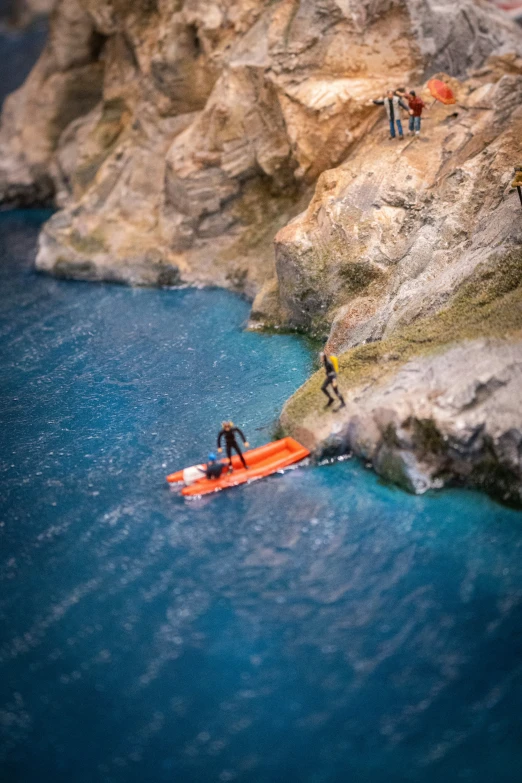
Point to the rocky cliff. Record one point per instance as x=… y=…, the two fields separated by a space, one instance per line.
x=178 y=137
x=409 y=261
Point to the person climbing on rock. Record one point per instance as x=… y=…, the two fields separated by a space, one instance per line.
x=392 y=103
x=416 y=105
x=228 y=432
x=214 y=467
x=330 y=380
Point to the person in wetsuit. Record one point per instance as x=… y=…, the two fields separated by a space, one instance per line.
x=214 y=467
x=330 y=380
x=229 y=434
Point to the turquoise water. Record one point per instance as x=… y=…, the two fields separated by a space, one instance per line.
x=316 y=627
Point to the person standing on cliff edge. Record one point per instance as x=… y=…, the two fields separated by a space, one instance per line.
x=416 y=106
x=392 y=103
x=330 y=380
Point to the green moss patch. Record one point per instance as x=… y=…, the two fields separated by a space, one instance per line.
x=89 y=244
x=356 y=277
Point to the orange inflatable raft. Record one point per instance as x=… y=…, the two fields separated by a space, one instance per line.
x=261 y=462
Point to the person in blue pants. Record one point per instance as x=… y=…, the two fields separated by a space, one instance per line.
x=416 y=106
x=392 y=103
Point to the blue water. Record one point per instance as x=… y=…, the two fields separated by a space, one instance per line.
x=18 y=51
x=317 y=626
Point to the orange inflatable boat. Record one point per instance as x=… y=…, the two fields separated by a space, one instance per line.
x=261 y=462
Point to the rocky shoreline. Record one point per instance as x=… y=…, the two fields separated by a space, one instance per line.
x=179 y=138
x=449 y=419
x=432 y=405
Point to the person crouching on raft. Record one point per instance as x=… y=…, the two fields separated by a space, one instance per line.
x=330 y=380
x=229 y=434
x=214 y=467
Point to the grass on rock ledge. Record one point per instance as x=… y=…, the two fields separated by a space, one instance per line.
x=487 y=304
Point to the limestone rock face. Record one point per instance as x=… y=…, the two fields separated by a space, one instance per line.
x=178 y=136
x=391 y=232
x=452 y=417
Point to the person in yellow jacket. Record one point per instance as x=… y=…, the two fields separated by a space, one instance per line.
x=330 y=380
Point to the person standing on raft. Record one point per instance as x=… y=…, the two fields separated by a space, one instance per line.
x=229 y=434
x=330 y=380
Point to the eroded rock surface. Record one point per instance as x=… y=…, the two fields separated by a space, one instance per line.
x=391 y=232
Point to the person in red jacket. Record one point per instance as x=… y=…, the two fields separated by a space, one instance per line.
x=416 y=105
